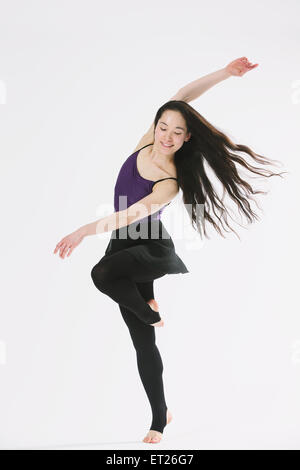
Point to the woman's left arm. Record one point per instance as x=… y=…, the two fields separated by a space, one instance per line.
x=161 y=195
x=237 y=67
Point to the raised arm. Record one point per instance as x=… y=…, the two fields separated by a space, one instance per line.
x=193 y=90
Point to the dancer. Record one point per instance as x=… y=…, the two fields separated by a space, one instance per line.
x=169 y=157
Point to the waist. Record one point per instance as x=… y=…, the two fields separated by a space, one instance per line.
x=149 y=229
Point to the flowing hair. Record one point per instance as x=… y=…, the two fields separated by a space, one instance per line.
x=210 y=145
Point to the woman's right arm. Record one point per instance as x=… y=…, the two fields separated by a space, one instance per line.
x=196 y=88
x=193 y=90
x=237 y=67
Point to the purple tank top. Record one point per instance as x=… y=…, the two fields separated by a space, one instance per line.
x=131 y=184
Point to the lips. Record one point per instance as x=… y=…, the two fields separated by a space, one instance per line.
x=167 y=146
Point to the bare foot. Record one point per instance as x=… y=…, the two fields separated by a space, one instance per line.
x=154 y=437
x=154 y=305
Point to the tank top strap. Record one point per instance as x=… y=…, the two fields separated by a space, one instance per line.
x=144 y=147
x=170 y=178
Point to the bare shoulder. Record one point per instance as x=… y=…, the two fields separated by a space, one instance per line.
x=163 y=192
x=170 y=171
x=166 y=187
x=147 y=139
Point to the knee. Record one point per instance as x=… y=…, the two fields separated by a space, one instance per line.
x=93 y=273
x=98 y=276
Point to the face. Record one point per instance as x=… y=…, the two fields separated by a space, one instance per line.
x=171 y=131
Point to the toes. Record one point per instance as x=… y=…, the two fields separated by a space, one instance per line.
x=152 y=439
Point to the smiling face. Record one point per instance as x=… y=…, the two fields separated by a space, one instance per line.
x=171 y=131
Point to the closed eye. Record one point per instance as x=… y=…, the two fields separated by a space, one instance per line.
x=177 y=133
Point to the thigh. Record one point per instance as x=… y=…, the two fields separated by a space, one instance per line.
x=124 y=264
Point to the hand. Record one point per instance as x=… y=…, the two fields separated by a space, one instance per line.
x=69 y=243
x=239 y=67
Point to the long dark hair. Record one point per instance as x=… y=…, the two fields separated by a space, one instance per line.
x=207 y=143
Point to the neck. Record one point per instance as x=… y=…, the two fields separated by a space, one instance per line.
x=159 y=156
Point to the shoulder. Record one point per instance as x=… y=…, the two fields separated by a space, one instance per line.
x=161 y=195
x=166 y=186
x=147 y=139
x=170 y=172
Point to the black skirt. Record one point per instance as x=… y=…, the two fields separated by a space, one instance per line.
x=150 y=243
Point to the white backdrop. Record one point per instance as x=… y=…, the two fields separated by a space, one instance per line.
x=81 y=82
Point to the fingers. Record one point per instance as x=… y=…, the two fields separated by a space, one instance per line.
x=244 y=66
x=64 y=251
x=240 y=66
x=71 y=249
x=63 y=247
x=59 y=245
x=67 y=244
x=248 y=64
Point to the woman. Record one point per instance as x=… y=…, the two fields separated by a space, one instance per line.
x=170 y=156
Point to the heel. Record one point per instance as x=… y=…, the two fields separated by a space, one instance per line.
x=153 y=316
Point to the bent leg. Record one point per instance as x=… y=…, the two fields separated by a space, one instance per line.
x=146 y=289
x=149 y=361
x=117 y=275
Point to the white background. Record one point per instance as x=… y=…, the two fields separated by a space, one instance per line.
x=81 y=82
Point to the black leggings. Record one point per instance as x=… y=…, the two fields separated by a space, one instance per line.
x=123 y=278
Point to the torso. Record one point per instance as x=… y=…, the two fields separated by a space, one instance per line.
x=148 y=170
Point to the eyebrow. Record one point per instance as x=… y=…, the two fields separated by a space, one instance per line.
x=176 y=127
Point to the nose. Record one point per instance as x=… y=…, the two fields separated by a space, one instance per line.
x=168 y=139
